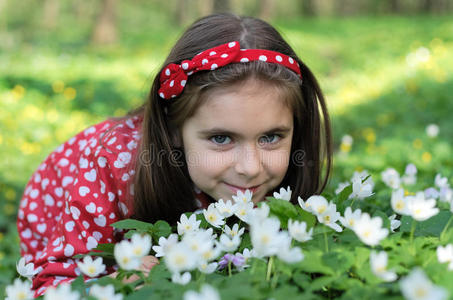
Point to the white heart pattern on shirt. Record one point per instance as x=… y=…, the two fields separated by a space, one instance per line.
x=100 y=221
x=91 y=243
x=91 y=208
x=68 y=250
x=83 y=190
x=69 y=225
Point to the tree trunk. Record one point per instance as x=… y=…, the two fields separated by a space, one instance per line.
x=221 y=6
x=266 y=9
x=105 y=28
x=51 y=10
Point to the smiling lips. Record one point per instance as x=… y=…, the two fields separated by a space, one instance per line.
x=234 y=188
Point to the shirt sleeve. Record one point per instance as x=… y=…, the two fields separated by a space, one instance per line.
x=94 y=198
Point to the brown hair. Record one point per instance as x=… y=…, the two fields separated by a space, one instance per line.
x=162 y=186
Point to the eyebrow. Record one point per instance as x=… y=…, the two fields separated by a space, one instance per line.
x=223 y=131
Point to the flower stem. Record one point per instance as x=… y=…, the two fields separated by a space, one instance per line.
x=269 y=268
x=445 y=228
x=229 y=269
x=414 y=224
x=326 y=243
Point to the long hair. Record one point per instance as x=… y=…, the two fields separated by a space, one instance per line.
x=162 y=185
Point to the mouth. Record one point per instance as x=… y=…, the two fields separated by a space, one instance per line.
x=235 y=188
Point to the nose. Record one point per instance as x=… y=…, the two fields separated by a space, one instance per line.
x=248 y=162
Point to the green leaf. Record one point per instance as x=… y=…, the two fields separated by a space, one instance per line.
x=433 y=226
x=339 y=261
x=107 y=247
x=344 y=194
x=132 y=224
x=161 y=228
x=283 y=210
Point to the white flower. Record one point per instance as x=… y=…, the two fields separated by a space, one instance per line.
x=446 y=195
x=141 y=244
x=391 y=178
x=105 y=292
x=243 y=197
x=225 y=208
x=287 y=254
x=304 y=204
x=362 y=175
x=411 y=170
x=91 y=268
x=207 y=292
x=417 y=286
x=394 y=224
x=199 y=242
x=350 y=217
x=63 y=291
x=421 y=209
x=445 y=254
x=316 y=204
x=125 y=257
x=266 y=237
x=213 y=216
x=210 y=254
x=19 y=290
x=284 y=194
x=181 y=279
x=298 y=231
x=440 y=181
x=229 y=244
x=180 y=258
x=432 y=130
x=341 y=187
x=347 y=140
x=26 y=270
x=243 y=211
x=431 y=193
x=258 y=214
x=330 y=216
x=378 y=262
x=165 y=244
x=361 y=190
x=187 y=224
x=369 y=230
x=234 y=231
x=207 y=268
x=399 y=202
x=409 y=177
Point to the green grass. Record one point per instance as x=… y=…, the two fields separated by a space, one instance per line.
x=53 y=85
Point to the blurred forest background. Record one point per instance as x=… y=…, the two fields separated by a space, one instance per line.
x=385 y=67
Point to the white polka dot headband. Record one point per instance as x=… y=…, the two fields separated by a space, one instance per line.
x=174 y=77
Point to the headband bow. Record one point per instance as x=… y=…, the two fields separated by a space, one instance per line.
x=174 y=76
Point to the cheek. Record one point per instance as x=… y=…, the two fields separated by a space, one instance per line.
x=276 y=162
x=207 y=163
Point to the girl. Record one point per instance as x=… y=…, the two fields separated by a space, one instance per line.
x=233 y=108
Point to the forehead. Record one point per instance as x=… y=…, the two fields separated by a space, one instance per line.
x=251 y=107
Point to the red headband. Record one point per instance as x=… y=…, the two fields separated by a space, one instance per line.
x=174 y=77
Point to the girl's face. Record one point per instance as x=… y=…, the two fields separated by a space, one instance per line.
x=239 y=138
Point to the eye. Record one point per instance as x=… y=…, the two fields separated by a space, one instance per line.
x=271 y=139
x=219 y=139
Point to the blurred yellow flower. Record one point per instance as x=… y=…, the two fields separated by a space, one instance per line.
x=31 y=112
x=9 y=209
x=369 y=135
x=10 y=194
x=52 y=115
x=18 y=92
x=411 y=86
x=426 y=157
x=417 y=143
x=30 y=148
x=407 y=193
x=1 y=139
x=58 y=86
x=345 y=147
x=70 y=93
x=119 y=112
